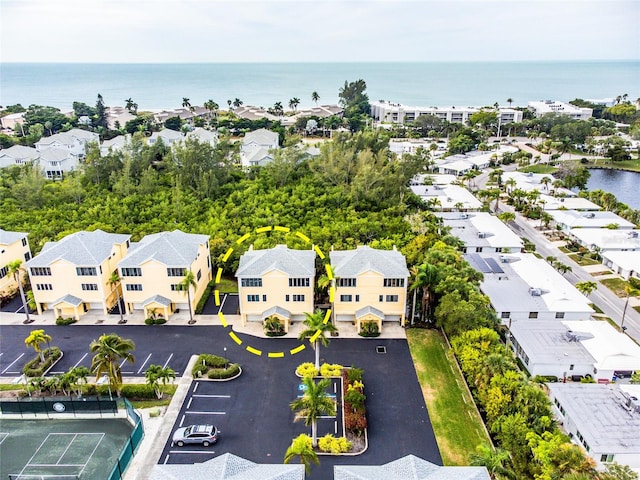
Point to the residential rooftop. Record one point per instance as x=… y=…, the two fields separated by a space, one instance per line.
x=289 y=261
x=526 y=283
x=601 y=414
x=173 y=249
x=7 y=237
x=351 y=263
x=606 y=239
x=600 y=219
x=481 y=229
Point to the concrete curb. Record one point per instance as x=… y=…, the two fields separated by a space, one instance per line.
x=151 y=447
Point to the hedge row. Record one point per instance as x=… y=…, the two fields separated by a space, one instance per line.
x=34 y=368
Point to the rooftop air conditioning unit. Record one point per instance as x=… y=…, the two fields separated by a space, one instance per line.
x=464 y=215
x=590 y=215
x=535 y=292
x=633 y=234
x=482 y=235
x=504 y=259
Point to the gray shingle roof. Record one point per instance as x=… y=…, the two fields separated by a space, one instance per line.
x=228 y=467
x=351 y=263
x=276 y=310
x=369 y=310
x=174 y=249
x=409 y=468
x=159 y=299
x=80 y=248
x=255 y=263
x=7 y=238
x=70 y=299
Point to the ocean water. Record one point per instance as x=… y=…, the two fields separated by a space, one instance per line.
x=156 y=86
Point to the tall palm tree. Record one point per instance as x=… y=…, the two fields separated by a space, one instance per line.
x=315 y=322
x=212 y=107
x=109 y=351
x=509 y=101
x=35 y=340
x=302 y=446
x=237 y=103
x=187 y=282
x=629 y=290
x=157 y=374
x=313 y=404
x=293 y=103
x=315 y=97
x=426 y=278
x=186 y=103
x=586 y=288
x=113 y=282
x=15 y=270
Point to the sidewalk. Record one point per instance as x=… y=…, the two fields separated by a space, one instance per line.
x=346 y=329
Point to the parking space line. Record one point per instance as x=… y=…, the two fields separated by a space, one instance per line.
x=145 y=362
x=12 y=363
x=79 y=361
x=182 y=421
x=168 y=360
x=202 y=395
x=196 y=387
x=166 y=459
x=189 y=404
x=193 y=451
x=207 y=413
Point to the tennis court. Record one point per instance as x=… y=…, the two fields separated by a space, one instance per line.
x=52 y=449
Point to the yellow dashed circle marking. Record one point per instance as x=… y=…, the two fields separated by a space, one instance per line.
x=216 y=293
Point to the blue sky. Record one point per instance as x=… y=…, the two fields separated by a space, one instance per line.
x=319 y=30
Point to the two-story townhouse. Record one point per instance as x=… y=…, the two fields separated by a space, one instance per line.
x=13 y=246
x=257 y=146
x=18 y=155
x=370 y=286
x=74 y=141
x=276 y=282
x=72 y=276
x=168 y=137
x=152 y=272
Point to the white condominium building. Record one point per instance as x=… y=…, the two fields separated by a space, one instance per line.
x=560 y=108
x=389 y=112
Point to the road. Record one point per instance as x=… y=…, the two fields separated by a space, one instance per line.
x=605 y=299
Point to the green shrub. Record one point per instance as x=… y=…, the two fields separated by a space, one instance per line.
x=329 y=443
x=214 y=361
x=273 y=327
x=155 y=321
x=138 y=392
x=307 y=369
x=34 y=368
x=198 y=370
x=545 y=379
x=65 y=321
x=331 y=370
x=355 y=397
x=369 y=329
x=354 y=374
x=218 y=373
x=205 y=296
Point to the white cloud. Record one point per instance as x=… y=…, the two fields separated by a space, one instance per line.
x=329 y=30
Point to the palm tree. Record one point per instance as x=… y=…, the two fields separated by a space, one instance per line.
x=629 y=290
x=496 y=460
x=510 y=184
x=35 y=340
x=509 y=101
x=212 y=107
x=157 y=374
x=562 y=268
x=302 y=446
x=186 y=103
x=130 y=105
x=507 y=217
x=229 y=102
x=48 y=125
x=109 y=352
x=15 y=269
x=546 y=181
x=237 y=102
x=293 y=103
x=586 y=288
x=187 y=282
x=315 y=97
x=426 y=277
x=313 y=404
x=315 y=322
x=80 y=375
x=113 y=282
x=278 y=109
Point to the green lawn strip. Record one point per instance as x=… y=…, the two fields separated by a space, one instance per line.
x=583 y=260
x=596 y=308
x=227 y=285
x=637 y=309
x=8 y=386
x=565 y=250
x=539 y=168
x=456 y=423
x=616 y=285
x=632 y=165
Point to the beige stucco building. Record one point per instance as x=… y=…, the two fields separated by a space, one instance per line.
x=13 y=246
x=370 y=286
x=277 y=282
x=71 y=276
x=153 y=269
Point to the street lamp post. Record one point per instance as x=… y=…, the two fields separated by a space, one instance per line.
x=23 y=380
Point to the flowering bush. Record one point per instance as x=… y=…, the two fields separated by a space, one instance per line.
x=329 y=443
x=330 y=370
x=307 y=369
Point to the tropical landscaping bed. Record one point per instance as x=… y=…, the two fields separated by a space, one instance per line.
x=215 y=367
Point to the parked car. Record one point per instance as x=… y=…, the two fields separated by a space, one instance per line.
x=196 y=434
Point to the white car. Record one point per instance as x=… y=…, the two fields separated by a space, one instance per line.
x=204 y=435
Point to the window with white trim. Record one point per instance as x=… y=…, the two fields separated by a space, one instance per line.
x=131 y=272
x=134 y=287
x=391 y=298
x=251 y=282
x=346 y=298
x=253 y=298
x=347 y=282
x=89 y=286
x=176 y=272
x=44 y=286
x=394 y=282
x=86 y=271
x=41 y=271
x=298 y=298
x=299 y=282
